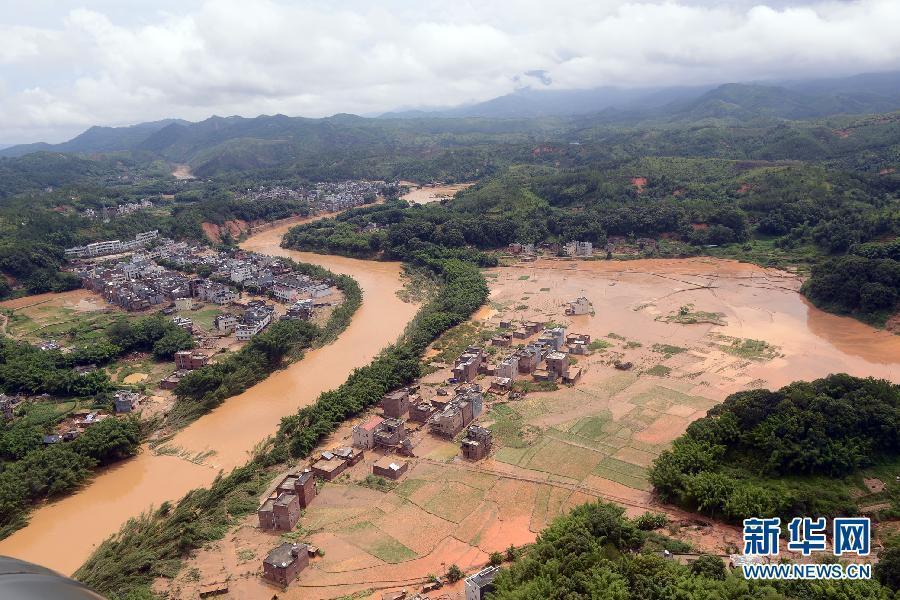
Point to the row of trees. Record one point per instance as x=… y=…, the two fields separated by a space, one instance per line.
x=782 y=453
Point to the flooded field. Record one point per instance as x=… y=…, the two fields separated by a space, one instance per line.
x=230 y=432
x=426 y=193
x=694 y=332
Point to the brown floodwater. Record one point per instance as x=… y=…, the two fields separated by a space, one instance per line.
x=633 y=297
x=62 y=534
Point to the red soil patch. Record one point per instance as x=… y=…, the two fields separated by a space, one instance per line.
x=639 y=183
x=235 y=228
x=745 y=187
x=887 y=171
x=699 y=226
x=842 y=133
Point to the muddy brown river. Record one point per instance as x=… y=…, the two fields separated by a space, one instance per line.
x=62 y=534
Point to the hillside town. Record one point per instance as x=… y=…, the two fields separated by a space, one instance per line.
x=330 y=196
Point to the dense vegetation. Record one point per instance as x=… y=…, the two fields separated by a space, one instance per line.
x=783 y=453
x=153 y=545
x=203 y=389
x=594 y=552
x=30 y=471
x=26 y=369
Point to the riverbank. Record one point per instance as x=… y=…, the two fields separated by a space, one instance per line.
x=230 y=432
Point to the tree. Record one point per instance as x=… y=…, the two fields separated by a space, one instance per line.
x=496 y=559
x=709 y=566
x=454 y=573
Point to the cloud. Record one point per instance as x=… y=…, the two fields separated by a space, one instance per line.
x=65 y=71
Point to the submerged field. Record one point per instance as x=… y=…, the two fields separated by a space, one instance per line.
x=694 y=330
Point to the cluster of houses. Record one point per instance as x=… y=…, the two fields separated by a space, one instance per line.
x=545 y=359
x=74 y=425
x=528 y=251
x=119 y=211
x=444 y=415
x=323 y=196
x=108 y=247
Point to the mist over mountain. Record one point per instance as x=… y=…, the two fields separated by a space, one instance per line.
x=220 y=144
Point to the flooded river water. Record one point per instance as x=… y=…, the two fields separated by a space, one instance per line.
x=62 y=534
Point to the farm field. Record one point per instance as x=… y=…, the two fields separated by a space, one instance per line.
x=567 y=445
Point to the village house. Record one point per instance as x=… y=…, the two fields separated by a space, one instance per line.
x=301 y=310
x=217 y=293
x=578 y=249
x=420 y=411
x=479 y=585
x=396 y=404
x=500 y=385
x=184 y=323
x=256 y=317
x=184 y=303
x=390 y=467
x=469 y=364
x=189 y=360
x=579 y=306
x=578 y=343
x=529 y=358
x=477 y=443
x=170 y=382
x=390 y=433
x=329 y=466
x=557 y=364
x=364 y=434
x=349 y=455
x=126 y=401
x=225 y=323
x=450 y=419
x=503 y=340
x=281 y=513
x=302 y=485
x=284 y=563
x=555 y=337
x=507 y=368
x=6 y=407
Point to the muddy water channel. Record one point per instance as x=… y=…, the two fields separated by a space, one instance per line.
x=62 y=534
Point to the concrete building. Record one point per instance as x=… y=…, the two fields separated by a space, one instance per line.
x=396 y=404
x=477 y=443
x=284 y=563
x=390 y=467
x=390 y=433
x=578 y=343
x=302 y=485
x=329 y=468
x=508 y=367
x=469 y=364
x=349 y=455
x=280 y=513
x=225 y=323
x=555 y=337
x=190 y=360
x=478 y=586
x=578 y=249
x=558 y=363
x=420 y=411
x=126 y=401
x=579 y=306
x=364 y=434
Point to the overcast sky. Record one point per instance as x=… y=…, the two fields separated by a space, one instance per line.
x=66 y=65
